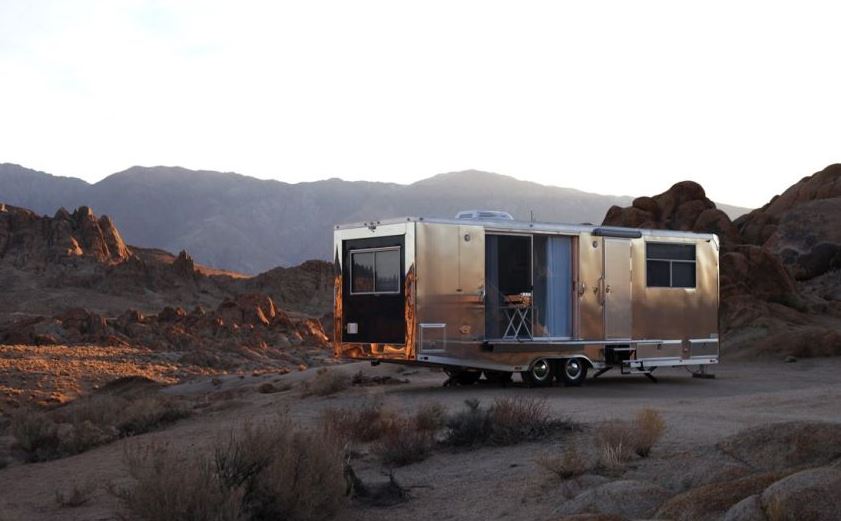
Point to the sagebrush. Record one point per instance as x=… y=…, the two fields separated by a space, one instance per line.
x=259 y=472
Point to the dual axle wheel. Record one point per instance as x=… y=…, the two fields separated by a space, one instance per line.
x=570 y=371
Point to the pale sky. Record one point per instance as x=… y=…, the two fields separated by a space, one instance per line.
x=611 y=97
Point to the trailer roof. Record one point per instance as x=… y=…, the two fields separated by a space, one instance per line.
x=528 y=226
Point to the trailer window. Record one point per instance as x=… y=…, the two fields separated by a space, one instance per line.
x=375 y=271
x=670 y=265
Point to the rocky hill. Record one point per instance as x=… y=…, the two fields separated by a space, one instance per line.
x=71 y=280
x=250 y=225
x=779 y=265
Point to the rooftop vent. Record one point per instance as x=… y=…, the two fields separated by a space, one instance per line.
x=484 y=215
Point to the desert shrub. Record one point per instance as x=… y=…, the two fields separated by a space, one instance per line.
x=168 y=487
x=84 y=435
x=304 y=482
x=147 y=414
x=89 y=422
x=469 y=426
x=104 y=409
x=363 y=424
x=262 y=472
x=326 y=382
x=78 y=495
x=570 y=463
x=431 y=417
x=505 y=422
x=404 y=443
x=649 y=428
x=36 y=434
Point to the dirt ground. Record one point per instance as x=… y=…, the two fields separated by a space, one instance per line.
x=485 y=483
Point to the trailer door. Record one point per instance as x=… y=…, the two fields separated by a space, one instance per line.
x=616 y=290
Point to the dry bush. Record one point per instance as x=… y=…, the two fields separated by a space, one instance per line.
x=404 y=443
x=89 y=422
x=304 y=482
x=168 y=487
x=269 y=387
x=267 y=471
x=36 y=434
x=78 y=495
x=650 y=426
x=518 y=419
x=431 y=417
x=616 y=441
x=570 y=463
x=363 y=424
x=326 y=382
x=147 y=414
x=505 y=422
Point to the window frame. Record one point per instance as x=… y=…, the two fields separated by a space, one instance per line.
x=671 y=262
x=374 y=273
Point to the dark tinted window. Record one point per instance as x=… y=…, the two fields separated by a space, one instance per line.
x=375 y=271
x=658 y=274
x=362 y=272
x=388 y=271
x=670 y=265
x=683 y=275
x=655 y=250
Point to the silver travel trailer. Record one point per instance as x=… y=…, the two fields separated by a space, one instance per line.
x=550 y=301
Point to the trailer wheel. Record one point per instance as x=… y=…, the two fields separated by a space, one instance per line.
x=539 y=374
x=573 y=371
x=463 y=376
x=498 y=377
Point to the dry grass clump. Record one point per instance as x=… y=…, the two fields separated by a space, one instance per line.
x=505 y=422
x=90 y=422
x=619 y=440
x=650 y=426
x=326 y=382
x=570 y=463
x=404 y=442
x=268 y=471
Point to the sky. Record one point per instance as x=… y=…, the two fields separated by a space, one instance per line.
x=609 y=97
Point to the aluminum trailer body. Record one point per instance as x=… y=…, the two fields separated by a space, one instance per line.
x=507 y=296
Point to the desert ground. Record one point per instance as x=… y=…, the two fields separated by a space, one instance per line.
x=703 y=418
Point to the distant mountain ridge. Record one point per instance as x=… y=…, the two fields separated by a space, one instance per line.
x=236 y=222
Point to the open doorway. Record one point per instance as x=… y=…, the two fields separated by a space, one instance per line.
x=528 y=283
x=508 y=285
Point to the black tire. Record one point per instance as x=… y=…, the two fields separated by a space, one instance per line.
x=463 y=376
x=540 y=373
x=573 y=371
x=498 y=377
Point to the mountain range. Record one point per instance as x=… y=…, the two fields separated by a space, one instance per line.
x=231 y=221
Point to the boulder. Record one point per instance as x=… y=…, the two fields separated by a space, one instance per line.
x=625 y=498
x=748 y=509
x=684 y=206
x=785 y=445
x=811 y=494
x=251 y=309
x=710 y=502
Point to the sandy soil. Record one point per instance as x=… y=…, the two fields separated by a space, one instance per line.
x=487 y=483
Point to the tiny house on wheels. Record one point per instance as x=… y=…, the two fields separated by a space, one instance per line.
x=486 y=294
